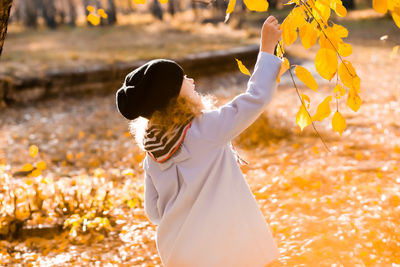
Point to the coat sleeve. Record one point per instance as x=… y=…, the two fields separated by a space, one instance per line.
x=228 y=121
x=150 y=199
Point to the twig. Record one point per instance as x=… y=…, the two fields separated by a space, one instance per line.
x=298 y=93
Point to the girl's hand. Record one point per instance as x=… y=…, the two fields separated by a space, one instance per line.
x=270 y=35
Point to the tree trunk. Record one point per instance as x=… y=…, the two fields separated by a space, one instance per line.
x=49 y=13
x=156 y=10
x=29 y=13
x=171 y=7
x=72 y=13
x=5 y=8
x=220 y=8
x=273 y=3
x=111 y=12
x=349 y=4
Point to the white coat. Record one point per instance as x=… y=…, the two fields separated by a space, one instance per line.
x=206 y=213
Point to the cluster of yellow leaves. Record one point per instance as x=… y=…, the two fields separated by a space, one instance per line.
x=253 y=5
x=310 y=20
x=95 y=17
x=88 y=223
x=36 y=169
x=383 y=6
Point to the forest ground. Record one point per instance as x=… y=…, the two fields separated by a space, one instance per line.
x=337 y=208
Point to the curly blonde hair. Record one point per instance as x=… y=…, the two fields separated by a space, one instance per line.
x=178 y=112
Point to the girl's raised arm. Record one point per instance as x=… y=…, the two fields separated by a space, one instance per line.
x=225 y=123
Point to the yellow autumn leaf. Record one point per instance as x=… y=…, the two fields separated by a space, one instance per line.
x=139 y=1
x=93 y=19
x=323 y=109
x=380 y=6
x=339 y=90
x=33 y=151
x=35 y=173
x=325 y=2
x=289 y=33
x=353 y=100
x=340 y=10
x=21 y=214
x=394 y=52
x=305 y=76
x=102 y=13
x=321 y=10
x=163 y=1
x=70 y=156
x=81 y=134
x=242 y=67
x=348 y=75
x=257 y=5
x=326 y=63
x=41 y=165
x=306 y=98
x=339 y=30
x=90 y=8
x=396 y=16
x=344 y=49
x=298 y=16
x=229 y=9
x=231 y=6
x=280 y=51
x=308 y=35
x=332 y=37
x=338 y=122
x=27 y=167
x=302 y=117
x=79 y=155
x=285 y=65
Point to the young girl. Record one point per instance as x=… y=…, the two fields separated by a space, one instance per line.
x=194 y=189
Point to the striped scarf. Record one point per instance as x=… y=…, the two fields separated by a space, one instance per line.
x=161 y=144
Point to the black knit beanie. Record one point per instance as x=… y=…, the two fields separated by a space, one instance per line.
x=148 y=88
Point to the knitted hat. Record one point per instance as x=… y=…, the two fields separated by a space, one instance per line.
x=148 y=88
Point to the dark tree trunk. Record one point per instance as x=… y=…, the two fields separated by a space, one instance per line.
x=15 y=15
x=72 y=13
x=48 y=12
x=171 y=7
x=111 y=12
x=349 y=4
x=5 y=8
x=156 y=10
x=220 y=7
x=29 y=13
x=273 y=3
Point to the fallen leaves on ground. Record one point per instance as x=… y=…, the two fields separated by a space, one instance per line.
x=339 y=207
